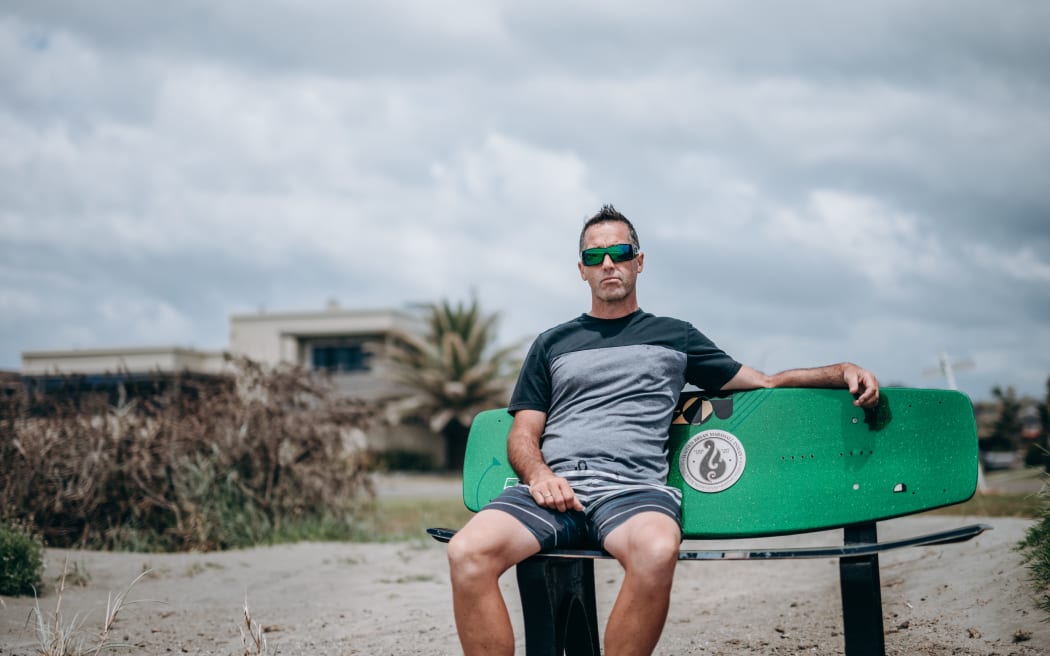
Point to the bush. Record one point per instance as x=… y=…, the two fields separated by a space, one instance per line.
x=187 y=464
x=401 y=460
x=1036 y=550
x=21 y=559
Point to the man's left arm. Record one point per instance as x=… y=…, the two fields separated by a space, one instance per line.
x=861 y=383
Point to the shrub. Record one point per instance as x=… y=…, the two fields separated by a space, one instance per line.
x=402 y=460
x=1036 y=550
x=186 y=464
x=21 y=559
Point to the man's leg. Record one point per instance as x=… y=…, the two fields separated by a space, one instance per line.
x=491 y=543
x=646 y=545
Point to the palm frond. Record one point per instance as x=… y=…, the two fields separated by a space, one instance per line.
x=454 y=369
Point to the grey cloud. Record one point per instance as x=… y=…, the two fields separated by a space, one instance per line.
x=176 y=163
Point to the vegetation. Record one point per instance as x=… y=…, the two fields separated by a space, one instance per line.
x=1011 y=424
x=1039 y=449
x=253 y=636
x=394 y=520
x=21 y=559
x=402 y=460
x=454 y=372
x=57 y=636
x=214 y=464
x=1025 y=506
x=1036 y=545
x=1006 y=430
x=1036 y=550
x=1044 y=419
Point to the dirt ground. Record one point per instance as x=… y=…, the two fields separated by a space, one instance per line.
x=385 y=599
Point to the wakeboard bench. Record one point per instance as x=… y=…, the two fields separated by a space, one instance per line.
x=765 y=463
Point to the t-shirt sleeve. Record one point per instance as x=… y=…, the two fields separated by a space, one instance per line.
x=707 y=366
x=533 y=389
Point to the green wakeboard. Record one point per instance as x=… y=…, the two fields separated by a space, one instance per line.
x=767 y=462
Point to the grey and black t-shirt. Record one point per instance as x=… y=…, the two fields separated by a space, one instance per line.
x=609 y=388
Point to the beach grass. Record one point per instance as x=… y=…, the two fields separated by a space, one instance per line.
x=405 y=518
x=1025 y=506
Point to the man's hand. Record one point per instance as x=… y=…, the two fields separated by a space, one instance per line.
x=523 y=452
x=862 y=384
x=552 y=491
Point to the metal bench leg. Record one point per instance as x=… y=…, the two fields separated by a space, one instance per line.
x=862 y=596
x=557 y=600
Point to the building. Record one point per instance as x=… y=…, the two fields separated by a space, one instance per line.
x=137 y=360
x=335 y=340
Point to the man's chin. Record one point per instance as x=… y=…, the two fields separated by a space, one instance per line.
x=612 y=296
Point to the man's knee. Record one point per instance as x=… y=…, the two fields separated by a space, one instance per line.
x=647 y=543
x=488 y=546
x=659 y=546
x=468 y=558
x=657 y=554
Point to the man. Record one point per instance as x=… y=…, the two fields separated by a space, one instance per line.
x=592 y=409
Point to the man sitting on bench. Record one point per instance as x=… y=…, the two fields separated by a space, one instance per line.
x=592 y=408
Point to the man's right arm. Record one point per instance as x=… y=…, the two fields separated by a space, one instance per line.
x=525 y=457
x=860 y=382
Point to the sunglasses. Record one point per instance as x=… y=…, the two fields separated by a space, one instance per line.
x=616 y=252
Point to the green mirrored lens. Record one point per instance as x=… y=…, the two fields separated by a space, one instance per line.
x=621 y=252
x=593 y=256
x=617 y=253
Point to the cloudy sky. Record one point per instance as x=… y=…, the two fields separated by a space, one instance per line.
x=811 y=181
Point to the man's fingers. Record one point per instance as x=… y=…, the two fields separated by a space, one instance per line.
x=855 y=380
x=864 y=386
x=565 y=499
x=544 y=497
x=869 y=398
x=556 y=494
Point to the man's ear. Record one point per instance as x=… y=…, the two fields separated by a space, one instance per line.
x=579 y=265
x=640 y=262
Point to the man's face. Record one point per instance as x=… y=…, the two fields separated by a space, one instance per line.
x=610 y=281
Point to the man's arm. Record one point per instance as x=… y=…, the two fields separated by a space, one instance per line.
x=525 y=457
x=861 y=383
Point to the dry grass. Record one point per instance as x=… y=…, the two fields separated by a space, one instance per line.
x=186 y=464
x=387 y=520
x=996 y=505
x=253 y=636
x=59 y=636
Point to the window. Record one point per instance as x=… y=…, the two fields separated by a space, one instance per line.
x=341 y=358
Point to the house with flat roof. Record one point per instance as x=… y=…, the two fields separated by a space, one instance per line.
x=132 y=360
x=334 y=340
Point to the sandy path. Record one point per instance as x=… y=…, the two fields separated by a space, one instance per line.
x=336 y=598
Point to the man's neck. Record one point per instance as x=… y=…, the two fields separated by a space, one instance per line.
x=617 y=310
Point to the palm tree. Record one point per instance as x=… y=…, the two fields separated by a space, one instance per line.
x=454 y=372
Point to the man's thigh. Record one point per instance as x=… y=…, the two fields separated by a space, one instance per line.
x=640 y=525
x=609 y=515
x=496 y=534
x=552 y=528
x=645 y=538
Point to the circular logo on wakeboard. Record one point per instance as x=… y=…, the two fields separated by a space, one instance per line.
x=712 y=461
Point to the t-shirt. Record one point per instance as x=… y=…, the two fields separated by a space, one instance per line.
x=609 y=388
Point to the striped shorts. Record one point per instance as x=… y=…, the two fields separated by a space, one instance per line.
x=600 y=516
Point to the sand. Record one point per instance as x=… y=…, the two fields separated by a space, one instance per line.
x=394 y=598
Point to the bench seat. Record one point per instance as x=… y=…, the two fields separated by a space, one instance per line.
x=765 y=463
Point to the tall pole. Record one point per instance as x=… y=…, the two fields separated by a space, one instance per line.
x=948 y=371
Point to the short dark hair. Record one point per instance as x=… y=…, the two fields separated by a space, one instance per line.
x=607 y=214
